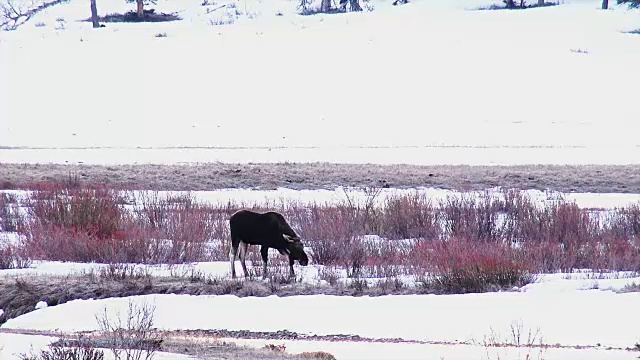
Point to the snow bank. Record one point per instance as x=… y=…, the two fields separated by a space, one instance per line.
x=586 y=317
x=432 y=82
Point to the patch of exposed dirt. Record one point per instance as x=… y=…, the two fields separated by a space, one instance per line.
x=212 y=176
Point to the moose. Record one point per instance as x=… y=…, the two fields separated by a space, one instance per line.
x=269 y=230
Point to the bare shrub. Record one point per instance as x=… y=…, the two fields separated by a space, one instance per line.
x=92 y=224
x=10 y=217
x=354 y=256
x=277 y=267
x=522 y=219
x=545 y=256
x=116 y=271
x=327 y=229
x=410 y=216
x=47 y=242
x=468 y=217
x=13 y=14
x=390 y=285
x=625 y=222
x=186 y=225
x=276 y=348
x=333 y=234
x=61 y=350
x=385 y=258
x=12 y=257
x=132 y=337
x=318 y=355
x=358 y=285
x=93 y=211
x=329 y=274
x=570 y=225
x=139 y=243
x=150 y=15
x=607 y=253
x=462 y=266
x=516 y=338
x=366 y=216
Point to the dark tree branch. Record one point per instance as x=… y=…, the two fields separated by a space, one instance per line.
x=12 y=15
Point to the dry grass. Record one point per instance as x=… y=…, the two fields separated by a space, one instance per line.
x=583 y=178
x=206 y=347
x=19 y=295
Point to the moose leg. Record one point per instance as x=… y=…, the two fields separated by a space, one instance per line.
x=264 y=251
x=243 y=256
x=292 y=275
x=233 y=251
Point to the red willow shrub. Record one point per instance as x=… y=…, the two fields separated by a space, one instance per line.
x=625 y=222
x=92 y=224
x=461 y=265
x=93 y=211
x=72 y=224
x=12 y=257
x=336 y=236
x=183 y=226
x=468 y=217
x=9 y=213
x=410 y=216
x=328 y=230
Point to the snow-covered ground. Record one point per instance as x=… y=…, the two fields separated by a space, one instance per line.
x=13 y=345
x=429 y=82
x=579 y=309
x=250 y=197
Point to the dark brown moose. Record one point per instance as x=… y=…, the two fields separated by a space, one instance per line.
x=269 y=230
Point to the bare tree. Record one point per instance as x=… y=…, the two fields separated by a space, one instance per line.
x=325 y=6
x=94 y=14
x=140 y=11
x=633 y=4
x=355 y=5
x=12 y=14
x=140 y=6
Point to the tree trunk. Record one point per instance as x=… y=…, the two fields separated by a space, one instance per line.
x=540 y=2
x=511 y=4
x=140 y=8
x=355 y=5
x=605 y=4
x=325 y=6
x=94 y=14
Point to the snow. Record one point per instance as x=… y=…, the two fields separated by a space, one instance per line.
x=578 y=309
x=13 y=345
x=383 y=351
x=428 y=83
x=572 y=318
x=357 y=195
x=284 y=196
x=41 y=305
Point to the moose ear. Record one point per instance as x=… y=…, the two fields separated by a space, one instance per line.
x=288 y=238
